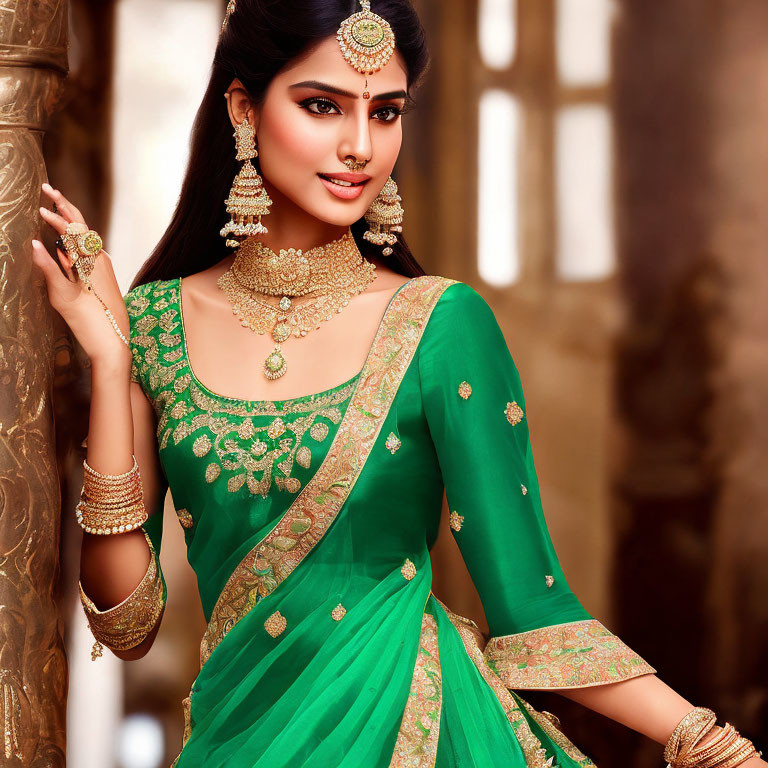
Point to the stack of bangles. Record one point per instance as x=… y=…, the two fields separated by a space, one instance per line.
x=114 y=504
x=83 y=245
x=726 y=750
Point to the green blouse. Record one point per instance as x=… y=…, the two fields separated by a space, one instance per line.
x=309 y=523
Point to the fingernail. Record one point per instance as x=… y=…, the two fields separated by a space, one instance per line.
x=43 y=209
x=36 y=243
x=46 y=185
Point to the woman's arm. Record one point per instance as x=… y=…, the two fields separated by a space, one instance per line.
x=645 y=704
x=121 y=426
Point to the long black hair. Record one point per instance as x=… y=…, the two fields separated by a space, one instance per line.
x=261 y=37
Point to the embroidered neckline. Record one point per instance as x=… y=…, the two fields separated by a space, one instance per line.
x=245 y=403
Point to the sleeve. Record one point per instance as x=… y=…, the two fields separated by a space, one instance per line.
x=541 y=635
x=127 y=624
x=142 y=320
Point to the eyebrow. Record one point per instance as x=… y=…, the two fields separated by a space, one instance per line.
x=341 y=92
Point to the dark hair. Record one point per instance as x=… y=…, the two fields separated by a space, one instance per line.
x=261 y=37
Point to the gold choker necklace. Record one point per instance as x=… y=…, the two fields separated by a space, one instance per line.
x=330 y=275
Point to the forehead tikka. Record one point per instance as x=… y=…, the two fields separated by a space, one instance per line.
x=367 y=42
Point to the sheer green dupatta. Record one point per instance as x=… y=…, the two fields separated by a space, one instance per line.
x=237 y=650
x=541 y=635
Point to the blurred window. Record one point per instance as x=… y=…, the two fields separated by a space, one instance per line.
x=545 y=150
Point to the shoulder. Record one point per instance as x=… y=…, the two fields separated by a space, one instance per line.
x=456 y=305
x=155 y=294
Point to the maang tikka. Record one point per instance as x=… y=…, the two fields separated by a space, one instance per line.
x=367 y=42
x=248 y=199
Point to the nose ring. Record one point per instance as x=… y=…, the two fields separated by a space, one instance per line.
x=355 y=165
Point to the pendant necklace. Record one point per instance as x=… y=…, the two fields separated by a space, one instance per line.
x=326 y=277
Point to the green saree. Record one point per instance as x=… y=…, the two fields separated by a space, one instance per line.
x=309 y=523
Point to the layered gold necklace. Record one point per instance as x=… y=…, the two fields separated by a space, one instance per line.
x=327 y=276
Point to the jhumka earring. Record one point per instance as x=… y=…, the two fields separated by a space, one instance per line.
x=248 y=199
x=385 y=217
x=367 y=42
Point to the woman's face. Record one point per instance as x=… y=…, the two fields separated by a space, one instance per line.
x=312 y=118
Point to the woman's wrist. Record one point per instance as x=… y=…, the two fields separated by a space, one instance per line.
x=112 y=365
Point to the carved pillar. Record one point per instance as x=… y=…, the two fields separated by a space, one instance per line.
x=33 y=672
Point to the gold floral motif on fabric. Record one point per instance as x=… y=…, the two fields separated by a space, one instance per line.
x=276 y=624
x=465 y=389
x=514 y=413
x=576 y=654
x=535 y=754
x=456 y=520
x=185 y=518
x=408 y=569
x=338 y=613
x=416 y=745
x=313 y=511
x=239 y=452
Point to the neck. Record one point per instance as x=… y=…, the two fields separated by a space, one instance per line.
x=290 y=226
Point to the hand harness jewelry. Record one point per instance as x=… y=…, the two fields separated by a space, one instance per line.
x=329 y=275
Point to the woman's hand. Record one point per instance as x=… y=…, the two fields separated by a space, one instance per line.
x=81 y=310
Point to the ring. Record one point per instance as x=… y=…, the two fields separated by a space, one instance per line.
x=82 y=245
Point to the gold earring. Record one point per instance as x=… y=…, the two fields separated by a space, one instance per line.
x=248 y=199
x=385 y=217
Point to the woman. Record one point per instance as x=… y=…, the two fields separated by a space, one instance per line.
x=309 y=518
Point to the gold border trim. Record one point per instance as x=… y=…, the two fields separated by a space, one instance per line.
x=416 y=745
x=576 y=654
x=318 y=504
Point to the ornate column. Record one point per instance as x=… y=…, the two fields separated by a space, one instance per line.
x=33 y=672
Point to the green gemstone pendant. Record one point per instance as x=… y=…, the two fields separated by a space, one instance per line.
x=275 y=365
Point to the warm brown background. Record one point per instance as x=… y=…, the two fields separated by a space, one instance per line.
x=646 y=390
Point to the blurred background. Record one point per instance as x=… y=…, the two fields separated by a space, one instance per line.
x=596 y=169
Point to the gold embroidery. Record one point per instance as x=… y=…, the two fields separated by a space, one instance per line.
x=393 y=442
x=456 y=520
x=523 y=489
x=408 y=569
x=185 y=518
x=318 y=431
x=275 y=624
x=250 y=466
x=202 y=445
x=270 y=562
x=550 y=580
x=514 y=413
x=576 y=654
x=304 y=457
x=416 y=745
x=535 y=754
x=338 y=612
x=128 y=623
x=465 y=389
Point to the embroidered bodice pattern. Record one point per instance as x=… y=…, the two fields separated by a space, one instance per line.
x=243 y=443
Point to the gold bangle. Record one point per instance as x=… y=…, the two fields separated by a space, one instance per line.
x=691 y=724
x=128 y=624
x=111 y=504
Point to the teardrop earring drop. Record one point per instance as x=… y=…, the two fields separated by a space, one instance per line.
x=248 y=199
x=385 y=217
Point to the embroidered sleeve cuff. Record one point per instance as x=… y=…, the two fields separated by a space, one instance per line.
x=577 y=654
x=127 y=624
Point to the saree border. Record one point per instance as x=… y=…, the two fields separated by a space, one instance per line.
x=416 y=745
x=576 y=654
x=535 y=755
x=312 y=512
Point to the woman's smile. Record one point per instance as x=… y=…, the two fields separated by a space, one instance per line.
x=347 y=186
